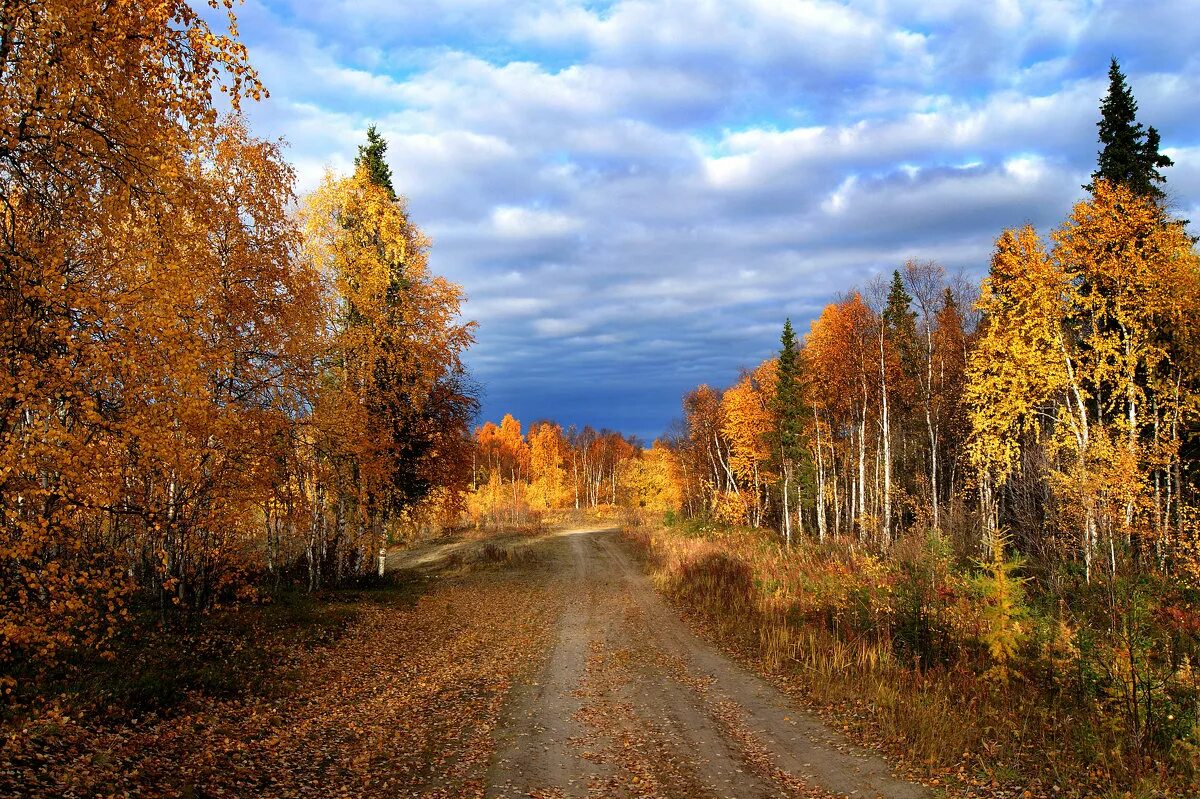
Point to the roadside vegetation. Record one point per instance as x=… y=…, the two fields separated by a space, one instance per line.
x=212 y=390
x=390 y=688
x=900 y=652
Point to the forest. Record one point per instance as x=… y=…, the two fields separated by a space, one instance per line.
x=960 y=520
x=210 y=387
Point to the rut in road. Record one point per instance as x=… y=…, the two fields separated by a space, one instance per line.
x=631 y=703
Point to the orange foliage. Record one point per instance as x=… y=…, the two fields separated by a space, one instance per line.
x=188 y=398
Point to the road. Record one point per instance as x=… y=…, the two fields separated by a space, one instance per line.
x=540 y=666
x=631 y=703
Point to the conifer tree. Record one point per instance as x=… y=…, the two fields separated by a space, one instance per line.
x=901 y=322
x=370 y=157
x=1129 y=155
x=788 y=389
x=788 y=398
x=899 y=313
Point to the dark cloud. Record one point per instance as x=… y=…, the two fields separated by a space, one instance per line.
x=635 y=194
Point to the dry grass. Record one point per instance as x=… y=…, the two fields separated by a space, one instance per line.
x=828 y=623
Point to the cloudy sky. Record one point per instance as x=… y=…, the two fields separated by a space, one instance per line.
x=635 y=194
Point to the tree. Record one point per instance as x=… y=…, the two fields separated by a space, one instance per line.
x=653 y=481
x=927 y=280
x=748 y=423
x=394 y=405
x=198 y=384
x=842 y=357
x=901 y=322
x=1134 y=307
x=137 y=291
x=706 y=451
x=1129 y=155
x=1023 y=371
x=370 y=158
x=547 y=477
x=951 y=345
x=1080 y=355
x=514 y=461
x=789 y=410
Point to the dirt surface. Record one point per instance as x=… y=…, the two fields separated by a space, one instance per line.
x=631 y=703
x=539 y=666
x=429 y=557
x=388 y=693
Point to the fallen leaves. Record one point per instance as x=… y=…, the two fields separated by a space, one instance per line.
x=403 y=704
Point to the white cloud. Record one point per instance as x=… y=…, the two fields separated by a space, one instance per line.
x=1026 y=169
x=515 y=222
x=558 y=328
x=839 y=199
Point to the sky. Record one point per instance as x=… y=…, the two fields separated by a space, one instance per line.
x=634 y=195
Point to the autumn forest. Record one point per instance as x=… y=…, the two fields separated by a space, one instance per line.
x=256 y=540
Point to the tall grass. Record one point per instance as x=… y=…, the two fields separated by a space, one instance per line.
x=901 y=648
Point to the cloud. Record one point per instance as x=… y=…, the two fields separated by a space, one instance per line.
x=634 y=194
x=515 y=222
x=559 y=328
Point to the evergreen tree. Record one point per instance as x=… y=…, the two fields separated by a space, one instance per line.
x=789 y=398
x=371 y=159
x=1129 y=154
x=949 y=304
x=901 y=322
x=370 y=156
x=787 y=393
x=899 y=315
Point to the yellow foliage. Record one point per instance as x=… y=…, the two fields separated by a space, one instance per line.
x=1021 y=360
x=195 y=388
x=1003 y=612
x=154 y=323
x=653 y=482
x=548 y=479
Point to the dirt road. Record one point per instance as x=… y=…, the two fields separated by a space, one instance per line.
x=539 y=666
x=631 y=703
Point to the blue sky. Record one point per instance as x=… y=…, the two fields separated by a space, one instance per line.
x=635 y=194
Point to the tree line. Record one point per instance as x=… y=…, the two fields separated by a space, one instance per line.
x=206 y=381
x=997 y=487
x=1057 y=405
x=521 y=479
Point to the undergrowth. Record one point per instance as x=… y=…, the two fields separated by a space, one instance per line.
x=966 y=671
x=158 y=663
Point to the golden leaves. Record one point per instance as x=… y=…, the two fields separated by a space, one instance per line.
x=185 y=401
x=548 y=478
x=1022 y=358
x=140 y=285
x=1085 y=349
x=359 y=697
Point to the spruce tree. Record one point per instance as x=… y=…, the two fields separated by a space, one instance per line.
x=949 y=304
x=787 y=392
x=789 y=399
x=370 y=157
x=1128 y=154
x=899 y=314
x=901 y=322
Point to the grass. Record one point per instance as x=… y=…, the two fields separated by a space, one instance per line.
x=838 y=626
